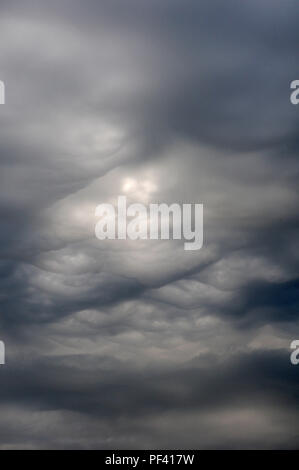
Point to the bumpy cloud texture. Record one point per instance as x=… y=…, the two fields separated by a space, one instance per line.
x=140 y=344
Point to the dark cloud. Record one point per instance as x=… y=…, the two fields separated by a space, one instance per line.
x=119 y=397
x=121 y=344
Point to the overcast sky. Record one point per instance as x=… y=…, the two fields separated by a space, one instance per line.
x=140 y=344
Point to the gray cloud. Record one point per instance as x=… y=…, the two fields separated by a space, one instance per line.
x=140 y=344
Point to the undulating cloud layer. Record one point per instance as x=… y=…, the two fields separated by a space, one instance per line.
x=140 y=344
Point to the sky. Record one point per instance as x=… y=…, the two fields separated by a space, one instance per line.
x=122 y=344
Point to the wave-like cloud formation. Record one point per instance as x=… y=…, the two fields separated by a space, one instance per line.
x=123 y=344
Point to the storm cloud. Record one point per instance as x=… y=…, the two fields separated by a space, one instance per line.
x=140 y=344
